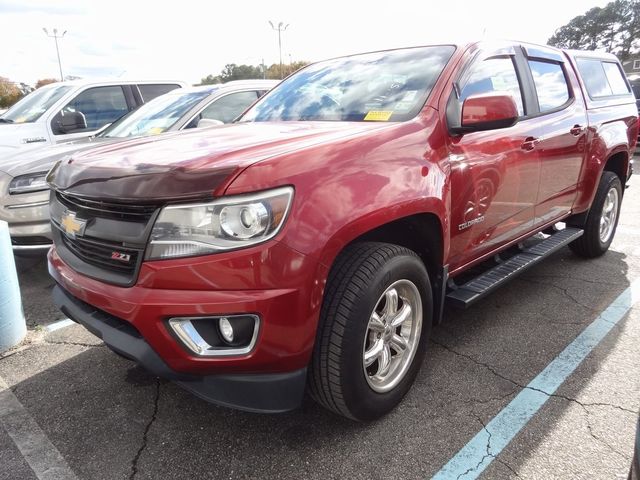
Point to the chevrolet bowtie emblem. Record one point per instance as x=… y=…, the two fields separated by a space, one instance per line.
x=72 y=226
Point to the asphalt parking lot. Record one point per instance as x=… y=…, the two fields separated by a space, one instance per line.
x=70 y=408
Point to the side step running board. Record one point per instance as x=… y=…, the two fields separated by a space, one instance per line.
x=482 y=285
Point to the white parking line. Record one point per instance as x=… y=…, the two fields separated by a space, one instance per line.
x=486 y=445
x=52 y=327
x=40 y=454
x=624 y=229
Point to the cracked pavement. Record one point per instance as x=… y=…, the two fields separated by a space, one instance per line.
x=112 y=420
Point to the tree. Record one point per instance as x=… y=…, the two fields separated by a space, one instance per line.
x=232 y=71
x=210 y=80
x=45 y=81
x=9 y=93
x=274 y=70
x=614 y=28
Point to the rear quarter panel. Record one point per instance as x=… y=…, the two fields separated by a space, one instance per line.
x=612 y=129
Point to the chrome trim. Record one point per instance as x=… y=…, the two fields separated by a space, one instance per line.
x=393 y=336
x=191 y=339
x=27 y=205
x=44 y=246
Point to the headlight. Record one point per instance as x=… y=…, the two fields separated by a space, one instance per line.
x=224 y=224
x=33 y=182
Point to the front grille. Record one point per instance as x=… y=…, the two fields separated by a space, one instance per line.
x=119 y=211
x=101 y=254
x=30 y=241
x=110 y=245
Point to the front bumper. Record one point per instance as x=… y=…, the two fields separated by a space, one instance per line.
x=279 y=285
x=268 y=393
x=28 y=218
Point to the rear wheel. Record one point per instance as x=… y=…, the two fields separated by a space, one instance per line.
x=602 y=218
x=374 y=326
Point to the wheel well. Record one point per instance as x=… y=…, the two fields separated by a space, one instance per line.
x=618 y=164
x=421 y=233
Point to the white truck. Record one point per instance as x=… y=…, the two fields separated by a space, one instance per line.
x=68 y=110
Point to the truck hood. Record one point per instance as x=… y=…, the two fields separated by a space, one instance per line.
x=20 y=136
x=189 y=165
x=41 y=159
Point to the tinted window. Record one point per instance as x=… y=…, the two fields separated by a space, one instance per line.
x=602 y=79
x=494 y=75
x=616 y=79
x=153 y=90
x=30 y=108
x=551 y=84
x=99 y=105
x=227 y=108
x=382 y=86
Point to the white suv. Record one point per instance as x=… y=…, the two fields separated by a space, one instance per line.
x=67 y=110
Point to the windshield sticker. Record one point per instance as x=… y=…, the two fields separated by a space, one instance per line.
x=155 y=130
x=403 y=106
x=378 y=115
x=409 y=95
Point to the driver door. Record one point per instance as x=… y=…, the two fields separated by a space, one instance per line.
x=494 y=173
x=88 y=112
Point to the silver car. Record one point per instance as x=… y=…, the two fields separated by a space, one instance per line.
x=24 y=195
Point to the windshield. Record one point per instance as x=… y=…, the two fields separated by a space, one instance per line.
x=382 y=86
x=31 y=107
x=156 y=116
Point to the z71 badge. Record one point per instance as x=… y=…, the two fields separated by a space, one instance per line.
x=121 y=257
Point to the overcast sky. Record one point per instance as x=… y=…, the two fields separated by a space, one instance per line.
x=189 y=39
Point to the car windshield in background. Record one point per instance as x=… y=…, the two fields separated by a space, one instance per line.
x=157 y=116
x=31 y=107
x=381 y=86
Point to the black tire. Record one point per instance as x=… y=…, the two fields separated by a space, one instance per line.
x=360 y=275
x=589 y=245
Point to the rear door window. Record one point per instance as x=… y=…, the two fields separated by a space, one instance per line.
x=551 y=84
x=149 y=91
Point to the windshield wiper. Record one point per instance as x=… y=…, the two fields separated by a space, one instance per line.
x=6 y=120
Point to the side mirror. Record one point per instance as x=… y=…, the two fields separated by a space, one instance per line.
x=487 y=112
x=208 y=122
x=69 y=122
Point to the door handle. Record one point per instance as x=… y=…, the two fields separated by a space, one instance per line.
x=529 y=143
x=576 y=130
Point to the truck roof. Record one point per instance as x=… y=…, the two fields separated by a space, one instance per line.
x=115 y=81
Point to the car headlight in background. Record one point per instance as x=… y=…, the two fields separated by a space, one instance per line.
x=32 y=182
x=224 y=224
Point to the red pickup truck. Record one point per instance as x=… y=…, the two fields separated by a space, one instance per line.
x=313 y=243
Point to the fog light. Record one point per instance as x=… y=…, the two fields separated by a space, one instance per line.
x=217 y=336
x=226 y=330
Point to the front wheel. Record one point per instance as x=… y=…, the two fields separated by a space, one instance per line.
x=602 y=218
x=374 y=327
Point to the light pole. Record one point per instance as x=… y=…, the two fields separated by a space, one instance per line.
x=281 y=27
x=55 y=37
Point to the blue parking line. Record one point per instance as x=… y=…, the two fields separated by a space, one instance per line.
x=482 y=449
